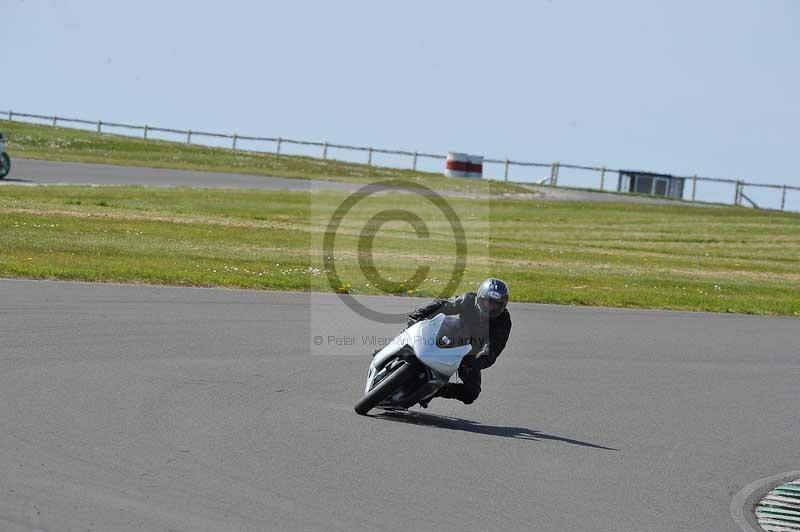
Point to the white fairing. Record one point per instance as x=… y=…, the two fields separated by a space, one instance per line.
x=443 y=361
x=421 y=337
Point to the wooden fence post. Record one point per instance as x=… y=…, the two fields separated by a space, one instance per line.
x=554 y=174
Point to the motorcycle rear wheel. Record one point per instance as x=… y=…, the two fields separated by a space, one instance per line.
x=384 y=389
x=5 y=165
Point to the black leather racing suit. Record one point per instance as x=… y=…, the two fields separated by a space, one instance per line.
x=488 y=337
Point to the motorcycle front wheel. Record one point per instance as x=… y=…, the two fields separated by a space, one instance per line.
x=5 y=165
x=384 y=389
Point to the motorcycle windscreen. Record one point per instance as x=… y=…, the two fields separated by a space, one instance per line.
x=434 y=346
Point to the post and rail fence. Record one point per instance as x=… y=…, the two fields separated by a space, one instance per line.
x=551 y=178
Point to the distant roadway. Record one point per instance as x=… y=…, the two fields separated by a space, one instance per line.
x=53 y=172
x=27 y=171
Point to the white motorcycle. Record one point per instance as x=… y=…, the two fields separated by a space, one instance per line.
x=413 y=367
x=5 y=160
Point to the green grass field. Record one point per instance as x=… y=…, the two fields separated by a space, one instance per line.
x=72 y=145
x=622 y=255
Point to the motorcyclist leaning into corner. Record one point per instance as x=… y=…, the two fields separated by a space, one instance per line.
x=489 y=324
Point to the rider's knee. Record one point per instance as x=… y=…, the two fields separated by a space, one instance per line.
x=470 y=395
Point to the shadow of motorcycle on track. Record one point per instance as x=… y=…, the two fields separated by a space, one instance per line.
x=466 y=425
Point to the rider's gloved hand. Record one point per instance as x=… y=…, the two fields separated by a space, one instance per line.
x=413 y=318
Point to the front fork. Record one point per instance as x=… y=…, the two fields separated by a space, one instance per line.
x=423 y=387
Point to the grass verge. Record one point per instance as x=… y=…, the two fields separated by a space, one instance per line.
x=585 y=253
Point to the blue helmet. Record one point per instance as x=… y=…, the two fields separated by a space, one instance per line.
x=492 y=298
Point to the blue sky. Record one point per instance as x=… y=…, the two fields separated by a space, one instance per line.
x=709 y=87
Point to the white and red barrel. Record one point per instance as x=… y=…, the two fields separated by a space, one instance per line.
x=464 y=165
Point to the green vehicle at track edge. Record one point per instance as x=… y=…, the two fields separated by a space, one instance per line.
x=5 y=160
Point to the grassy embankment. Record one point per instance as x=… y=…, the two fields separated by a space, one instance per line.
x=624 y=255
x=41 y=142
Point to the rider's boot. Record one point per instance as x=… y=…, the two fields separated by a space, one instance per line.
x=446 y=391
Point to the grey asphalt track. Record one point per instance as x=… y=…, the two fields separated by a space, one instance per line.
x=27 y=171
x=153 y=408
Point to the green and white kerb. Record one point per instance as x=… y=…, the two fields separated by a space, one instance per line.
x=779 y=510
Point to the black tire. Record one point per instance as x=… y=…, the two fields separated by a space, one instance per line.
x=5 y=165
x=385 y=388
